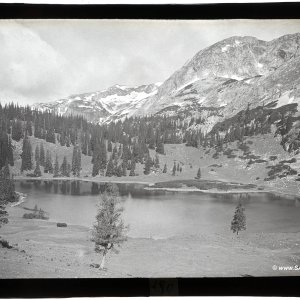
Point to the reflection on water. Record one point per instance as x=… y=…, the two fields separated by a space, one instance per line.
x=161 y=214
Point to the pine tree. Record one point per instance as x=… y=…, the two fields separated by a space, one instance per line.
x=48 y=168
x=29 y=128
x=26 y=155
x=76 y=161
x=56 y=167
x=156 y=162
x=198 y=174
x=68 y=170
x=174 y=169
x=109 y=146
x=7 y=192
x=37 y=154
x=148 y=165
x=10 y=155
x=132 y=168
x=96 y=160
x=160 y=147
x=64 y=167
x=165 y=168
x=110 y=168
x=109 y=230
x=37 y=170
x=42 y=155
x=239 y=219
x=17 y=131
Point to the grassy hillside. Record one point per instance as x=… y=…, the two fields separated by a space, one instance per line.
x=245 y=163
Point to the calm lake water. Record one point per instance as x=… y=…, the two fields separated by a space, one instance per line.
x=160 y=214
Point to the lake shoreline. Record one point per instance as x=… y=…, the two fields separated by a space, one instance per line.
x=150 y=185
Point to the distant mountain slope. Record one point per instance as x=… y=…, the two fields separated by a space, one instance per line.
x=100 y=106
x=226 y=76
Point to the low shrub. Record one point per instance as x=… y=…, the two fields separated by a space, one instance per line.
x=5 y=244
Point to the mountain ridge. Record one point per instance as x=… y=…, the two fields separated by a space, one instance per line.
x=227 y=75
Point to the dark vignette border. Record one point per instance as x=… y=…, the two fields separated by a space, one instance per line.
x=285 y=10
x=243 y=286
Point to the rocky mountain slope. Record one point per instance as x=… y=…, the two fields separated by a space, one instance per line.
x=225 y=77
x=114 y=102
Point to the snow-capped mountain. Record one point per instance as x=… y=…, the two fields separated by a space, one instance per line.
x=115 y=102
x=226 y=76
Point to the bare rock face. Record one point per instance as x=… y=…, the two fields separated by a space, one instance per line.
x=225 y=77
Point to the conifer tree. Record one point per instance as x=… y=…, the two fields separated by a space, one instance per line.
x=48 y=168
x=29 y=128
x=132 y=168
x=76 y=161
x=239 y=219
x=109 y=146
x=26 y=155
x=124 y=169
x=37 y=154
x=42 y=155
x=156 y=162
x=68 y=170
x=160 y=147
x=109 y=230
x=17 y=131
x=64 y=167
x=37 y=170
x=7 y=192
x=110 y=168
x=198 y=174
x=165 y=168
x=56 y=167
x=174 y=169
x=10 y=155
x=96 y=160
x=148 y=165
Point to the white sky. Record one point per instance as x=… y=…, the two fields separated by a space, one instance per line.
x=43 y=60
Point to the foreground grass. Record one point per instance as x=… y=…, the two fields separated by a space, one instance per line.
x=43 y=250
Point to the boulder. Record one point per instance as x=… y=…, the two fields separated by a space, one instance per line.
x=61 y=224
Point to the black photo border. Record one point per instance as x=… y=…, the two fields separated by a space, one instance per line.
x=240 y=286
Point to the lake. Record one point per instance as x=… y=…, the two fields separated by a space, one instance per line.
x=162 y=214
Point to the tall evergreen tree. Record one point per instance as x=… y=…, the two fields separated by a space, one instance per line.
x=64 y=167
x=239 y=219
x=37 y=154
x=198 y=174
x=7 y=193
x=42 y=154
x=174 y=169
x=110 y=168
x=132 y=169
x=148 y=165
x=17 y=131
x=10 y=155
x=76 y=160
x=56 y=167
x=48 y=167
x=37 y=170
x=165 y=168
x=26 y=155
x=160 y=147
x=156 y=162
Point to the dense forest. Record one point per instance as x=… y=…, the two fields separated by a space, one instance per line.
x=115 y=148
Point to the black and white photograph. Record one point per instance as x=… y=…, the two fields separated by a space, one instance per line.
x=149 y=148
